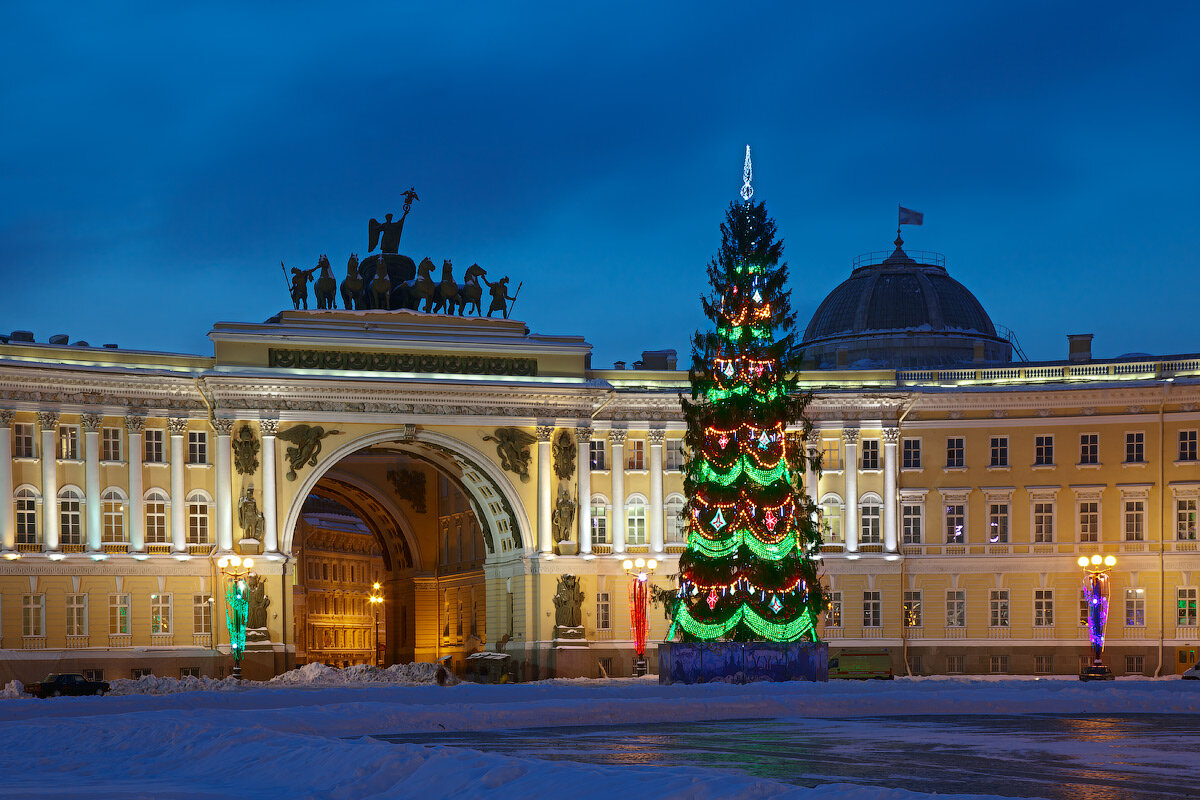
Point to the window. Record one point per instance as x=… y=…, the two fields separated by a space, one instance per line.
x=911 y=454
x=870 y=522
x=998 y=665
x=956 y=665
x=1089 y=448
x=915 y=664
x=197 y=447
x=189 y=672
x=956 y=451
x=33 y=615
x=77 y=615
x=160 y=613
x=674 y=529
x=872 y=610
x=912 y=609
x=1185 y=519
x=27 y=522
x=110 y=444
x=202 y=613
x=1043 y=451
x=1135 y=665
x=1135 y=448
x=599 y=521
x=635 y=458
x=1135 y=608
x=999 y=451
x=831 y=454
x=137 y=673
x=68 y=442
x=1185 y=607
x=1043 y=608
x=673 y=454
x=870 y=454
x=1187 y=446
x=597 y=453
x=118 y=614
x=998 y=608
x=155 y=449
x=635 y=521
x=1135 y=521
x=603 y=611
x=69 y=517
x=998 y=523
x=93 y=674
x=1043 y=522
x=156 y=518
x=1083 y=609
x=113 y=513
x=197 y=514
x=911 y=519
x=831 y=521
x=1043 y=665
x=956 y=523
x=23 y=441
x=833 y=612
x=1089 y=521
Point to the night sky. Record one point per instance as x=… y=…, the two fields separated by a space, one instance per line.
x=159 y=162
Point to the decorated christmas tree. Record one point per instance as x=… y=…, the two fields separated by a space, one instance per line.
x=749 y=572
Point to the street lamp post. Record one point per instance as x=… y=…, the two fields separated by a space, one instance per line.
x=237 y=602
x=639 y=588
x=376 y=600
x=1095 y=594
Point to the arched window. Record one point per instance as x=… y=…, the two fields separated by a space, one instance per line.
x=674 y=529
x=870 y=519
x=112 y=509
x=28 y=531
x=599 y=518
x=831 y=518
x=197 y=514
x=70 y=521
x=156 y=517
x=635 y=520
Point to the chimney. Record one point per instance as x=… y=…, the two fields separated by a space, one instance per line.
x=618 y=365
x=978 y=358
x=1079 y=347
x=59 y=338
x=22 y=336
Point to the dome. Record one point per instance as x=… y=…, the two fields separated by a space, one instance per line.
x=900 y=312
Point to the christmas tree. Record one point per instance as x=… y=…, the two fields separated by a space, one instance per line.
x=750 y=571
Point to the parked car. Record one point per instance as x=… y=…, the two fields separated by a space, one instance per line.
x=1192 y=673
x=861 y=665
x=66 y=683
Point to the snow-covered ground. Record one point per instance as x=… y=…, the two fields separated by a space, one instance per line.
x=303 y=736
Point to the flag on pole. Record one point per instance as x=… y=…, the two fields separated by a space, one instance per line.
x=910 y=217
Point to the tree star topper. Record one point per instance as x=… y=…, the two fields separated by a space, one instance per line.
x=747 y=176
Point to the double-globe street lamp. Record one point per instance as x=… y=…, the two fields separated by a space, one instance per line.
x=639 y=589
x=376 y=600
x=1095 y=595
x=235 y=570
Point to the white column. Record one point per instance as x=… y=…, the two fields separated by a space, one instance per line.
x=48 y=420
x=656 y=490
x=617 y=438
x=178 y=427
x=8 y=519
x=224 y=486
x=850 y=467
x=270 y=532
x=890 y=488
x=91 y=473
x=134 y=453
x=545 y=501
x=583 y=482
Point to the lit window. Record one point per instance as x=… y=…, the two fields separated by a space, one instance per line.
x=831 y=522
x=635 y=521
x=599 y=520
x=28 y=531
x=912 y=609
x=113 y=513
x=197 y=513
x=636 y=457
x=68 y=442
x=70 y=519
x=998 y=523
x=1185 y=520
x=160 y=613
x=956 y=523
x=1135 y=608
x=833 y=613
x=1185 y=607
x=831 y=454
x=869 y=523
x=118 y=614
x=675 y=529
x=156 y=518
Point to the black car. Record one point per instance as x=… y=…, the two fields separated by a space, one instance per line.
x=66 y=683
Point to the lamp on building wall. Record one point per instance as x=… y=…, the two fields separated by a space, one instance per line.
x=639 y=589
x=235 y=570
x=376 y=600
x=1095 y=595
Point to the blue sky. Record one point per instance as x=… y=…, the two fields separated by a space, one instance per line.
x=159 y=162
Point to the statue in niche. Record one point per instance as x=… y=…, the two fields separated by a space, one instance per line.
x=564 y=455
x=326 y=286
x=299 y=285
x=245 y=451
x=563 y=518
x=257 y=602
x=409 y=484
x=306 y=441
x=250 y=518
x=352 y=286
x=568 y=602
x=512 y=447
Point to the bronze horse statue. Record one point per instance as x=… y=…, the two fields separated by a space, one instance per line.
x=445 y=299
x=381 y=287
x=471 y=293
x=326 y=285
x=352 y=286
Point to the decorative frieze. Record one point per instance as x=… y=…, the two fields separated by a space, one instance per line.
x=401 y=362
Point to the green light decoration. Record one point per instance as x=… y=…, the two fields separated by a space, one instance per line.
x=750 y=571
x=237 y=605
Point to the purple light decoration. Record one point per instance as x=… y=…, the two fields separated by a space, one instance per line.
x=1095 y=592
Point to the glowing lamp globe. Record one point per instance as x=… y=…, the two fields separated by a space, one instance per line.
x=652 y=564
x=1083 y=561
x=1096 y=559
x=627 y=564
x=235 y=561
x=248 y=563
x=222 y=563
x=639 y=563
x=1109 y=561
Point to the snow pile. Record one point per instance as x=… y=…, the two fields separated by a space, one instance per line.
x=416 y=674
x=155 y=684
x=12 y=690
